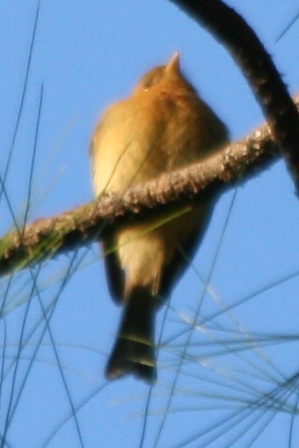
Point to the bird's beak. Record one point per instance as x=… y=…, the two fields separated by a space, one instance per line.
x=173 y=65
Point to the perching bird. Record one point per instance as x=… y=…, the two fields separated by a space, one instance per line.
x=164 y=125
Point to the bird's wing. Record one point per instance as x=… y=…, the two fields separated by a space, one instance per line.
x=115 y=274
x=184 y=251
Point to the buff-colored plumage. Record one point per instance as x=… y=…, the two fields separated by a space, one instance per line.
x=162 y=126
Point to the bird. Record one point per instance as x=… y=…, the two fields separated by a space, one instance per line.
x=162 y=126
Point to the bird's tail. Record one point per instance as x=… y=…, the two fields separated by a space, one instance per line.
x=134 y=351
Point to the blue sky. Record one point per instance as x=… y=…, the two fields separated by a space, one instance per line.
x=85 y=56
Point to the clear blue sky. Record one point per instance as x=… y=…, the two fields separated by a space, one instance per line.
x=86 y=55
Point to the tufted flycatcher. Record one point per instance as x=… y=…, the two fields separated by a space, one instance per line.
x=162 y=126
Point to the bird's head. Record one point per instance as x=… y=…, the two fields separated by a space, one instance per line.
x=169 y=73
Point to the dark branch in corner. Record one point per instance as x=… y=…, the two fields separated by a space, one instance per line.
x=48 y=237
x=259 y=70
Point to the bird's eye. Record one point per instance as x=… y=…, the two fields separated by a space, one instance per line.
x=152 y=78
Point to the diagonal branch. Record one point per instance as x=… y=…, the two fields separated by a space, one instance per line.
x=48 y=237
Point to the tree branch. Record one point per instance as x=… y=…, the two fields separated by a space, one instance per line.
x=259 y=70
x=48 y=237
